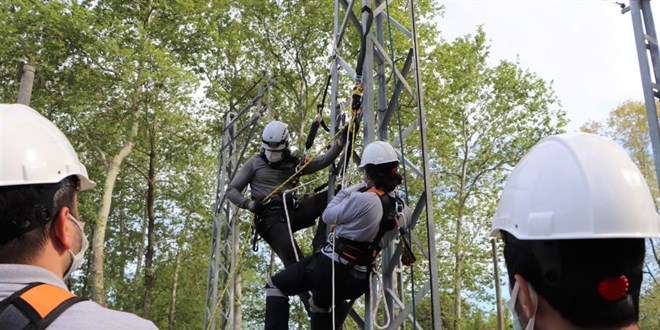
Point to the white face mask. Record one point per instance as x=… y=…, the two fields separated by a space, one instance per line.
x=77 y=258
x=517 y=324
x=274 y=156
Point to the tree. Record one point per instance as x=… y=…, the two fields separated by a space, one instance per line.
x=486 y=118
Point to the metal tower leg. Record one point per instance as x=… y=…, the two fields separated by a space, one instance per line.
x=222 y=251
x=377 y=67
x=646 y=42
x=225 y=242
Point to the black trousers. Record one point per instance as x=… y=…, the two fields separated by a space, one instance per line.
x=274 y=230
x=314 y=274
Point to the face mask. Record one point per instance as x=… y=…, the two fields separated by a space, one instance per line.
x=517 y=324
x=274 y=156
x=77 y=258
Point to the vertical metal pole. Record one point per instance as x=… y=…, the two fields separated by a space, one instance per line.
x=233 y=222
x=498 y=293
x=369 y=121
x=380 y=76
x=430 y=229
x=388 y=278
x=26 y=77
x=647 y=83
x=369 y=118
x=649 y=27
x=333 y=94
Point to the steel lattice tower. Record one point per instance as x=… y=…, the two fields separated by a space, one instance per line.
x=379 y=108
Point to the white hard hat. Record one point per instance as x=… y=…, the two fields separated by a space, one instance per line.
x=378 y=152
x=576 y=186
x=34 y=151
x=275 y=136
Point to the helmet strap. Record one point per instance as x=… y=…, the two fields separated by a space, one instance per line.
x=41 y=211
x=547 y=255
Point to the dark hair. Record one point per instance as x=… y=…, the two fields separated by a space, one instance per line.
x=384 y=176
x=567 y=274
x=18 y=202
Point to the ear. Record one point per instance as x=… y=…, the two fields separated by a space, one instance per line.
x=60 y=230
x=524 y=297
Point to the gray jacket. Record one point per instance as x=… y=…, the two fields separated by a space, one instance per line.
x=263 y=179
x=356 y=215
x=81 y=316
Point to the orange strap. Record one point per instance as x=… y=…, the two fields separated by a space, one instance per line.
x=44 y=298
x=377 y=191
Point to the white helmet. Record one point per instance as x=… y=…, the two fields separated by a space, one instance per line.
x=275 y=136
x=378 y=152
x=34 y=151
x=576 y=186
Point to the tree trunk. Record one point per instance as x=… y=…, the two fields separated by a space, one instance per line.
x=498 y=294
x=98 y=294
x=458 y=269
x=175 y=283
x=149 y=256
x=458 y=255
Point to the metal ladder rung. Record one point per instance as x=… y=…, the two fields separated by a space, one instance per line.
x=651 y=40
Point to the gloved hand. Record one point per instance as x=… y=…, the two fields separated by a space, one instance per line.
x=256 y=207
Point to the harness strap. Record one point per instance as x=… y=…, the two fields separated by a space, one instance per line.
x=36 y=306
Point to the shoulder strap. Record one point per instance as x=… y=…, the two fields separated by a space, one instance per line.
x=388 y=221
x=37 y=305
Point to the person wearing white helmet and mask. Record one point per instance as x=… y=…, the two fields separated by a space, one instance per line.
x=267 y=171
x=366 y=217
x=264 y=173
x=41 y=233
x=573 y=215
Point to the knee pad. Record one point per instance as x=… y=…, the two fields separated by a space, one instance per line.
x=273 y=291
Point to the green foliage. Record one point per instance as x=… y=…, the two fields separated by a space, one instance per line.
x=178 y=67
x=485 y=119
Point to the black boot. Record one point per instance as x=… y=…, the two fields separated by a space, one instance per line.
x=277 y=313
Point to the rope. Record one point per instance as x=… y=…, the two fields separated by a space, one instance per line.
x=247 y=237
x=334 y=325
x=302 y=185
x=286 y=213
x=288 y=224
x=374 y=309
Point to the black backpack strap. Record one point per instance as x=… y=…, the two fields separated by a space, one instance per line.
x=55 y=313
x=36 y=306
x=389 y=220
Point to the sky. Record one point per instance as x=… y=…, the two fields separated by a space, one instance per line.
x=585 y=47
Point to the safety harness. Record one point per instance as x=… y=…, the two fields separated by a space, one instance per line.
x=276 y=202
x=364 y=253
x=35 y=306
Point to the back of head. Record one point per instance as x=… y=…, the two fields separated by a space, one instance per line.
x=380 y=163
x=574 y=214
x=39 y=172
